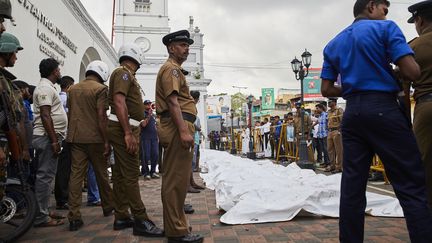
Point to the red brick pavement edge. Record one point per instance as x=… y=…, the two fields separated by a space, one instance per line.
x=205 y=221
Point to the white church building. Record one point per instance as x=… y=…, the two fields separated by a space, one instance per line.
x=145 y=22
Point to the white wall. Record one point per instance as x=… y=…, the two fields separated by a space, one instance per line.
x=63 y=16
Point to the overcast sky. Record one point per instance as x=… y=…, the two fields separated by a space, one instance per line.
x=252 y=42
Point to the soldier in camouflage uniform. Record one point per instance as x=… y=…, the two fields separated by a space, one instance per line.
x=9 y=47
x=5 y=13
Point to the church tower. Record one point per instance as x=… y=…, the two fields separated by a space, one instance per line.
x=146 y=22
x=195 y=66
x=143 y=22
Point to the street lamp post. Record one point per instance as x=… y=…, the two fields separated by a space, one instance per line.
x=300 y=74
x=233 y=148
x=251 y=154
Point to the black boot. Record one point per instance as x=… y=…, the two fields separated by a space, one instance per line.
x=189 y=238
x=120 y=224
x=147 y=228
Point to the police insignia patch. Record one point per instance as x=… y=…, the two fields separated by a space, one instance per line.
x=125 y=77
x=175 y=73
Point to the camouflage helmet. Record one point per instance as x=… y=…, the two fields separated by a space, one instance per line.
x=5 y=9
x=9 y=43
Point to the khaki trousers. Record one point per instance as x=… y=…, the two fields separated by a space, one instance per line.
x=80 y=155
x=125 y=175
x=423 y=132
x=335 y=149
x=176 y=171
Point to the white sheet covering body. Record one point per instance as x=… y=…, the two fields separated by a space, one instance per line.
x=260 y=191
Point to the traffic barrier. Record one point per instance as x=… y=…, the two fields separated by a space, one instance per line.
x=289 y=149
x=377 y=165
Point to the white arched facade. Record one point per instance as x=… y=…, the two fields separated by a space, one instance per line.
x=91 y=54
x=61 y=29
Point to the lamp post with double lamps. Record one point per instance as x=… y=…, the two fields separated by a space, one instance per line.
x=233 y=148
x=251 y=154
x=298 y=68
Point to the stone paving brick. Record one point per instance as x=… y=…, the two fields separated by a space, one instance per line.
x=276 y=238
x=205 y=221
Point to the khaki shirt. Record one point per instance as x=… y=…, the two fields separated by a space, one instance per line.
x=123 y=81
x=335 y=117
x=422 y=47
x=307 y=124
x=170 y=79
x=45 y=94
x=83 y=102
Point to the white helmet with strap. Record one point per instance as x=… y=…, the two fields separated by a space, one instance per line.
x=133 y=51
x=100 y=68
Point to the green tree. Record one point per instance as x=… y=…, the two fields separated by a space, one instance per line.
x=237 y=101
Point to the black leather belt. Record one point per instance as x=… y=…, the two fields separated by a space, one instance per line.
x=186 y=116
x=331 y=129
x=424 y=98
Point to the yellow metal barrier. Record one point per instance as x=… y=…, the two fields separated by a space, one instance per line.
x=377 y=165
x=290 y=149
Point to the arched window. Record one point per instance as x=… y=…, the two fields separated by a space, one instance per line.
x=142 y=6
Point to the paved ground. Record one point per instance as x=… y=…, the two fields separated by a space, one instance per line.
x=205 y=220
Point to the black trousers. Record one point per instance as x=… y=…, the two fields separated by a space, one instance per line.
x=61 y=187
x=322 y=150
x=374 y=123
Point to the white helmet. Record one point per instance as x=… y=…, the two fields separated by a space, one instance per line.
x=133 y=51
x=99 y=68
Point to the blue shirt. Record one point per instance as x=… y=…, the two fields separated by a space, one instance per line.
x=322 y=128
x=197 y=135
x=362 y=54
x=278 y=129
x=149 y=132
x=27 y=106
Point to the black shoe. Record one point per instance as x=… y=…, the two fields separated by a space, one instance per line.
x=188 y=209
x=107 y=213
x=74 y=225
x=120 y=224
x=62 y=206
x=190 y=238
x=147 y=228
x=193 y=190
x=94 y=204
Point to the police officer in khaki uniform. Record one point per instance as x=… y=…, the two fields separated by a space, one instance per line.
x=88 y=138
x=177 y=112
x=422 y=46
x=334 y=138
x=127 y=112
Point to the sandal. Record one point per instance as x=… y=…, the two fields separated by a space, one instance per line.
x=51 y=223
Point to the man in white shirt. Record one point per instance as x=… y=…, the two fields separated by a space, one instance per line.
x=49 y=131
x=266 y=129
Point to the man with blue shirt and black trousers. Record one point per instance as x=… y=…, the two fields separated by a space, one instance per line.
x=374 y=122
x=149 y=143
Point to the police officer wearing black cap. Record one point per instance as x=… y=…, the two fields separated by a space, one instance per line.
x=176 y=109
x=422 y=46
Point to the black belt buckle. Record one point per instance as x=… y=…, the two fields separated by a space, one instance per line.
x=333 y=129
x=189 y=117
